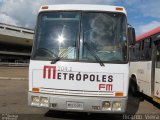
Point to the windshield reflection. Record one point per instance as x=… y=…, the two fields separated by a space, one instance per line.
x=58 y=35
x=105 y=33
x=57 y=32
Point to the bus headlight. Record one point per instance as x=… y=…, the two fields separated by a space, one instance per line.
x=106 y=105
x=44 y=102
x=116 y=105
x=35 y=100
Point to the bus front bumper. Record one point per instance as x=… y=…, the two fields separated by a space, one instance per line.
x=78 y=103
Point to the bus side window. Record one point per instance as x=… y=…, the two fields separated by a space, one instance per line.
x=132 y=58
x=137 y=52
x=158 y=56
x=146 y=49
x=141 y=47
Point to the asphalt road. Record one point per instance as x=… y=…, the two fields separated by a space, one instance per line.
x=13 y=103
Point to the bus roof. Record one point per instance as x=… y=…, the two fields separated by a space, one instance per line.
x=147 y=34
x=83 y=7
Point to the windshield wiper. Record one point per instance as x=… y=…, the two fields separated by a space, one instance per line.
x=94 y=54
x=62 y=55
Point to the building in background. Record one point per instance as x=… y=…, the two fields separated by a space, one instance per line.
x=15 y=44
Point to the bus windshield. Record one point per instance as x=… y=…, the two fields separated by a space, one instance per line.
x=81 y=36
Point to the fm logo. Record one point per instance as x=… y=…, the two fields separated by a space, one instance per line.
x=49 y=71
x=107 y=87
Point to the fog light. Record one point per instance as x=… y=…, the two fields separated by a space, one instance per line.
x=35 y=100
x=44 y=101
x=106 y=105
x=116 y=105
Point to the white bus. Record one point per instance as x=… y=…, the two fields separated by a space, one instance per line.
x=145 y=65
x=79 y=60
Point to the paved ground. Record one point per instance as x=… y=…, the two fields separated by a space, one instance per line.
x=13 y=102
x=14 y=72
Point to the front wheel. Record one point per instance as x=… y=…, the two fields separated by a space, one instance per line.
x=133 y=87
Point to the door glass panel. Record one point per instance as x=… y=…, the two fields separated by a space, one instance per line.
x=158 y=56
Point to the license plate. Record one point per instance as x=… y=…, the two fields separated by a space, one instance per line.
x=75 y=105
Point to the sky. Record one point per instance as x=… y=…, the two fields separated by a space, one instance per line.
x=143 y=15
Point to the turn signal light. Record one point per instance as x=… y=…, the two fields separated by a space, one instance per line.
x=35 y=89
x=119 y=94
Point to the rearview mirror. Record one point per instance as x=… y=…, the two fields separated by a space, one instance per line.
x=131 y=35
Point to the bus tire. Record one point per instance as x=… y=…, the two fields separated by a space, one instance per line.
x=134 y=87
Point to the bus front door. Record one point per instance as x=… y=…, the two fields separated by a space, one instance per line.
x=157 y=75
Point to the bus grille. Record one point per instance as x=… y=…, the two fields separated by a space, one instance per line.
x=76 y=93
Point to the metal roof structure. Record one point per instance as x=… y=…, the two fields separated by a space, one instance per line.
x=16 y=35
x=149 y=33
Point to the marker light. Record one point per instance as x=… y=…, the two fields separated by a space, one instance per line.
x=44 y=7
x=119 y=8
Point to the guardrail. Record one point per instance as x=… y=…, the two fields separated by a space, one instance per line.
x=2 y=64
x=16 y=28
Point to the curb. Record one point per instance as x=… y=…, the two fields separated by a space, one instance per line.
x=9 y=78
